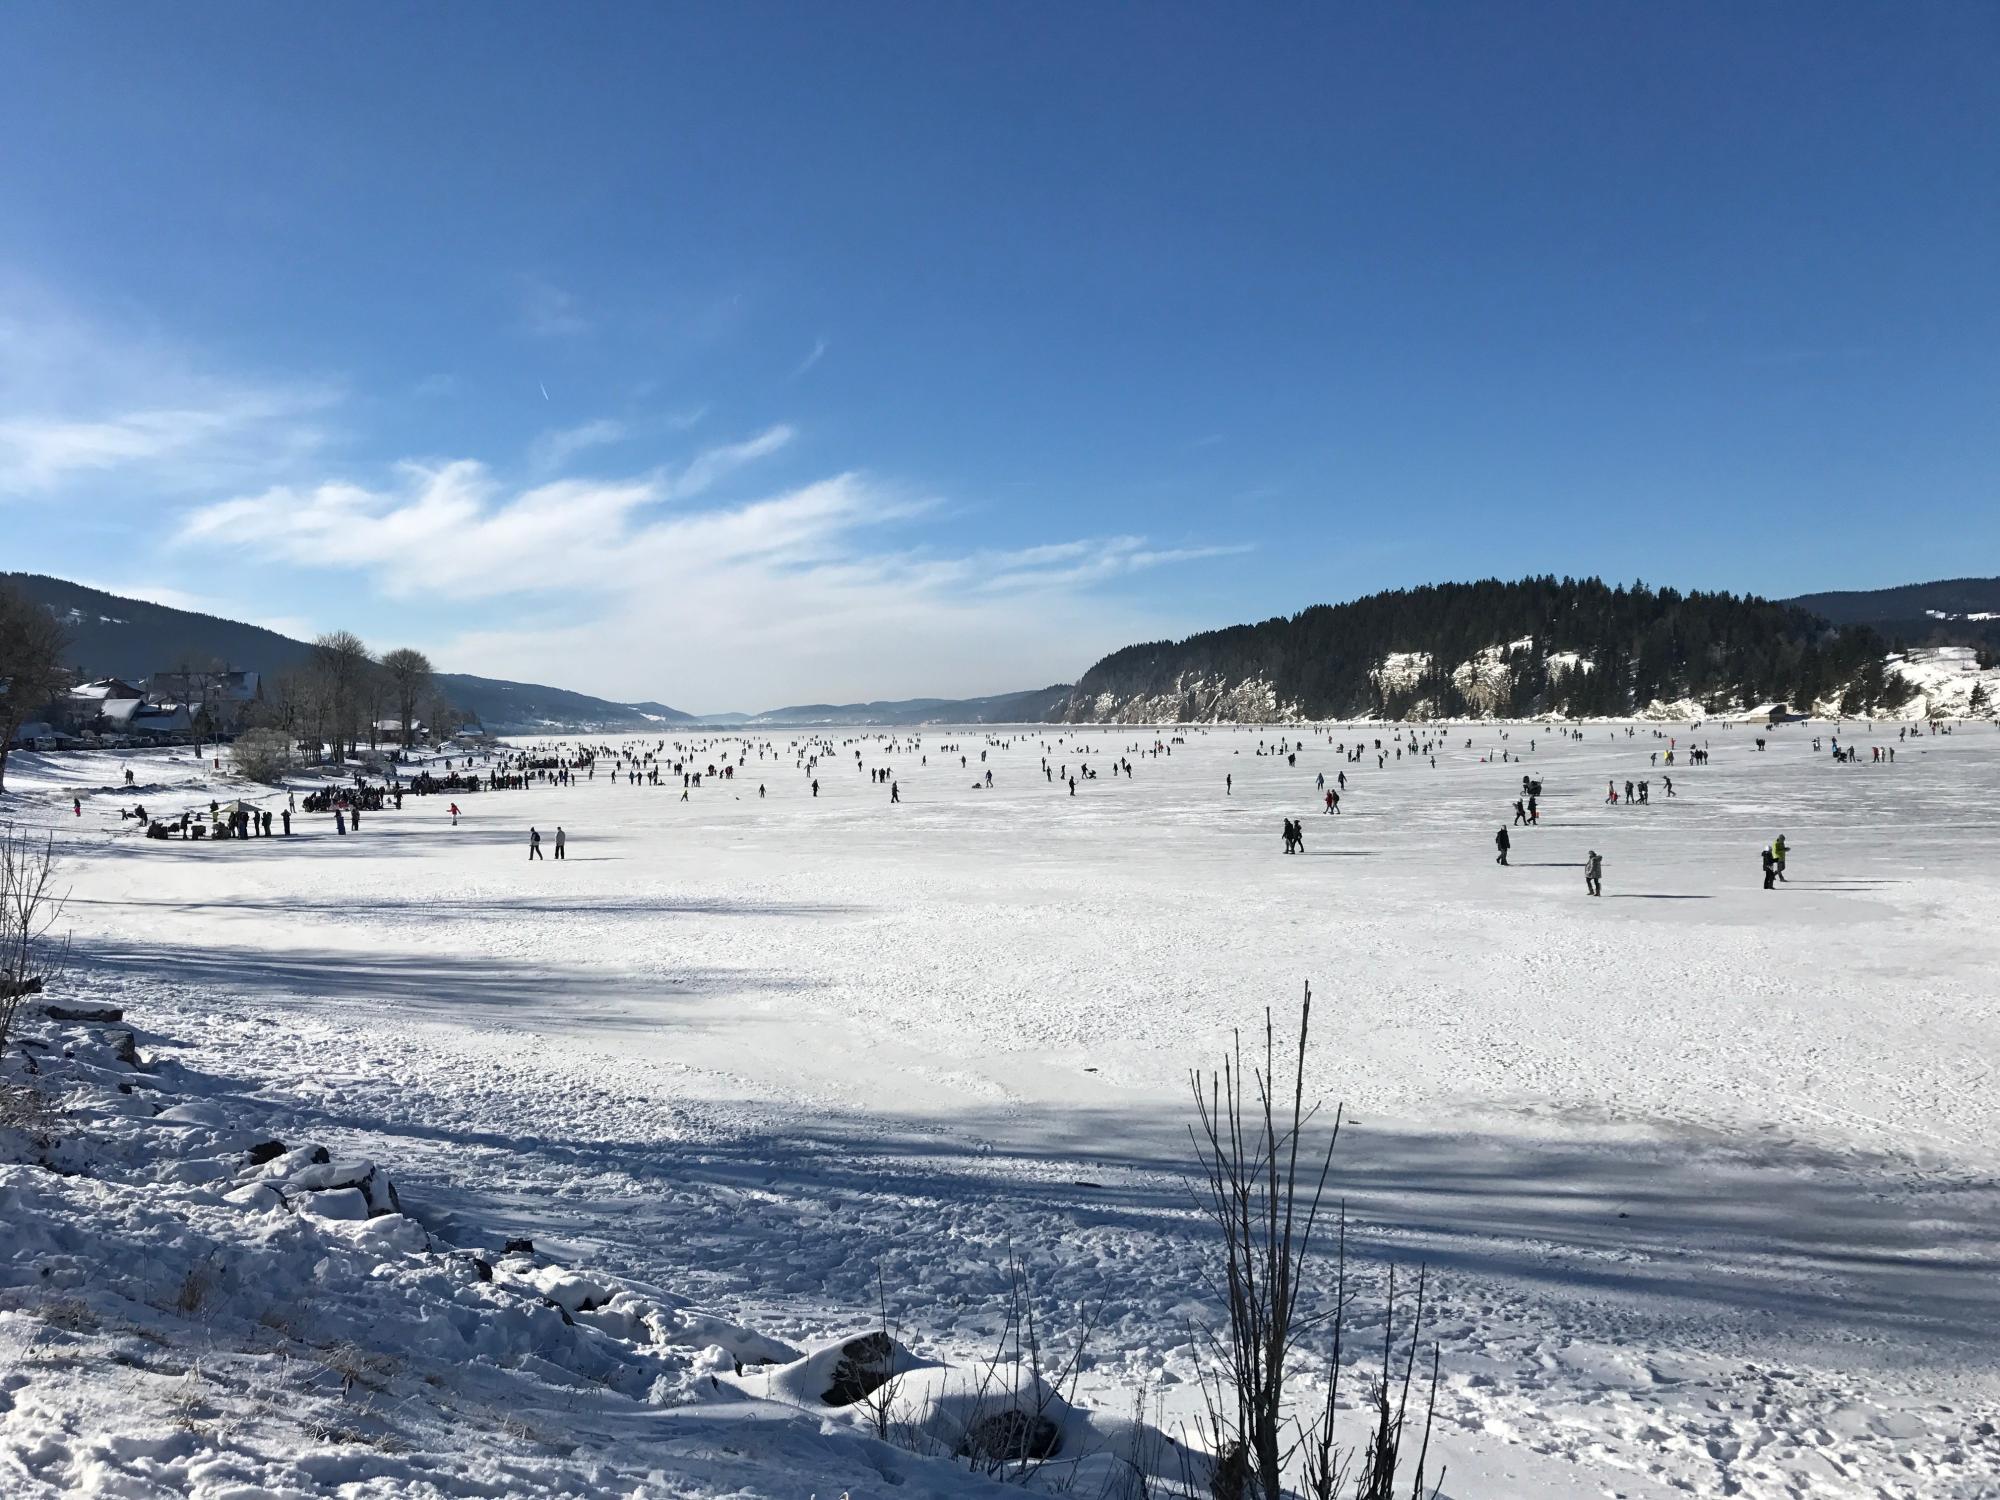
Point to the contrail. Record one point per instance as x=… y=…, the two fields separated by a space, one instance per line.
x=545 y=389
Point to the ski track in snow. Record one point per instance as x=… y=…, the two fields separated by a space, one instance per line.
x=1706 y=1174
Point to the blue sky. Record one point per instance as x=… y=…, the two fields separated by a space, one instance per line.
x=737 y=355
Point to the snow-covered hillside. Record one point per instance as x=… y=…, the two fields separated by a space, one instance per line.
x=1948 y=683
x=1944 y=682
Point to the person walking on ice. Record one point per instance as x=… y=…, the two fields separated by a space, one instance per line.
x=1778 y=852
x=534 y=844
x=1770 y=868
x=560 y=840
x=1593 y=873
x=1503 y=844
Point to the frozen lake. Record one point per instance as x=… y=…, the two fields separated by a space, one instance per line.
x=1707 y=1173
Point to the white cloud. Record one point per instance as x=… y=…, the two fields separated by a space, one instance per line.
x=554 y=449
x=627 y=589
x=819 y=348
x=80 y=400
x=546 y=310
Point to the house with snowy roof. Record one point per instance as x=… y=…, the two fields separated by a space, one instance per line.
x=226 y=696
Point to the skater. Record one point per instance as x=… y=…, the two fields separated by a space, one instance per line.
x=1593 y=873
x=1770 y=869
x=1229 y=784
x=286 y=814
x=1502 y=843
x=1778 y=852
x=1520 y=812
x=559 y=841
x=895 y=791
x=454 y=815
x=339 y=822
x=534 y=844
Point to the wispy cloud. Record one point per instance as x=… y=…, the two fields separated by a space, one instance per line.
x=552 y=450
x=81 y=400
x=805 y=592
x=818 y=353
x=715 y=464
x=547 y=310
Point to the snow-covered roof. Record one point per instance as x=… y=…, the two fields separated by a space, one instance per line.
x=166 y=718
x=105 y=689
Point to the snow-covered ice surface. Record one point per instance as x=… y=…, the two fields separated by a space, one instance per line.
x=1706 y=1174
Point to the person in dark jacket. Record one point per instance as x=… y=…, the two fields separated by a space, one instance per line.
x=1593 y=873
x=1503 y=844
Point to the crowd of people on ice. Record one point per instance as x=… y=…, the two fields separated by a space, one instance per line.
x=564 y=765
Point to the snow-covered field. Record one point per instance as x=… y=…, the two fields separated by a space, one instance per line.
x=1706 y=1174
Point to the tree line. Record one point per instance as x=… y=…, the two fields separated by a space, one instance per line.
x=328 y=706
x=1724 y=651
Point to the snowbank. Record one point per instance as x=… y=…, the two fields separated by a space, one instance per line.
x=188 y=1305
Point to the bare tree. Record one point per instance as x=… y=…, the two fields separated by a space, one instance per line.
x=410 y=676
x=32 y=675
x=1248 y=1149
x=1266 y=1204
x=375 y=696
x=341 y=662
x=295 y=705
x=442 y=716
x=29 y=907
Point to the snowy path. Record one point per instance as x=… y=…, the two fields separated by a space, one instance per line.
x=1709 y=1173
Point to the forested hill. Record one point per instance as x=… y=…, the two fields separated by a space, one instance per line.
x=1538 y=646
x=1949 y=612
x=112 y=636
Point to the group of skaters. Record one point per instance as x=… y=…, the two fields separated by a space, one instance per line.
x=235 y=822
x=1635 y=793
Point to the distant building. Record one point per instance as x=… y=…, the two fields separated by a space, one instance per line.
x=101 y=706
x=161 y=719
x=227 y=697
x=390 y=731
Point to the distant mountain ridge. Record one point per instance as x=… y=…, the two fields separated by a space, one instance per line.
x=1949 y=612
x=1033 y=707
x=113 y=636
x=1532 y=647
